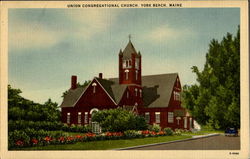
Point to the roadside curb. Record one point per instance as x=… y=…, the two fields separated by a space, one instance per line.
x=169 y=142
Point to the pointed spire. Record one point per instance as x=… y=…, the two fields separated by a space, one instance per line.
x=129 y=37
x=120 y=53
x=139 y=53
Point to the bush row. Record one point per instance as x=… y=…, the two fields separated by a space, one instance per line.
x=46 y=125
x=24 y=124
x=77 y=128
x=31 y=137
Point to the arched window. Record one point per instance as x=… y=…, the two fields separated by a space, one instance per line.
x=126 y=74
x=127 y=94
x=136 y=91
x=86 y=118
x=124 y=64
x=68 y=118
x=79 y=118
x=136 y=75
x=94 y=87
x=140 y=93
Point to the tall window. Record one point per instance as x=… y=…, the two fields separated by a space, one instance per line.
x=137 y=63
x=127 y=94
x=126 y=74
x=157 y=117
x=147 y=117
x=79 y=118
x=94 y=87
x=178 y=120
x=140 y=93
x=124 y=64
x=170 y=117
x=136 y=75
x=68 y=118
x=136 y=91
x=190 y=123
x=129 y=63
x=177 y=96
x=185 y=122
x=86 y=117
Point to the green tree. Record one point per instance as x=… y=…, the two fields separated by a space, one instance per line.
x=85 y=84
x=215 y=101
x=21 y=110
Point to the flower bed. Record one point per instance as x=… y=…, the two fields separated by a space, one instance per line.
x=21 y=139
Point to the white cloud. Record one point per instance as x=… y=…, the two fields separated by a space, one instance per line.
x=92 y=21
x=32 y=35
x=165 y=32
x=84 y=24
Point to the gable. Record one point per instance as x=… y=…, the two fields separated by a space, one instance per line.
x=114 y=91
x=95 y=95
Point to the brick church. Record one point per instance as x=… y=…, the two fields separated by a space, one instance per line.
x=156 y=97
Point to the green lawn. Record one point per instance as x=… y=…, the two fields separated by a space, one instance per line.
x=108 y=144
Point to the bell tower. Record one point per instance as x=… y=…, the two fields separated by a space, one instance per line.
x=129 y=65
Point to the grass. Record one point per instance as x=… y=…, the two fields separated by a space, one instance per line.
x=108 y=144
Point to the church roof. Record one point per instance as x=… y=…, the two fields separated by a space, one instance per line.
x=157 y=90
x=72 y=96
x=115 y=90
x=129 y=49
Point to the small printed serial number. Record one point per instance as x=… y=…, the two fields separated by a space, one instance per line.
x=234 y=153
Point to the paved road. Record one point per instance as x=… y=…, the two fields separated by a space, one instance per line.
x=208 y=143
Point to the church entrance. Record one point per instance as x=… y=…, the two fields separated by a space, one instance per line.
x=94 y=125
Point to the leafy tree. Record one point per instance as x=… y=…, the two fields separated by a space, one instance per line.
x=215 y=101
x=85 y=84
x=21 y=110
x=119 y=120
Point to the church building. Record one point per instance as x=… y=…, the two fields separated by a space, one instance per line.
x=156 y=97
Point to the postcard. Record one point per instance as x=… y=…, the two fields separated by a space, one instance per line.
x=127 y=79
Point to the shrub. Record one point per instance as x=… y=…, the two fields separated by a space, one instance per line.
x=140 y=123
x=87 y=128
x=119 y=120
x=131 y=134
x=178 y=131
x=156 y=128
x=18 y=139
x=73 y=128
x=168 y=131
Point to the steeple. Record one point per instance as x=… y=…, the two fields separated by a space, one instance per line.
x=129 y=50
x=129 y=65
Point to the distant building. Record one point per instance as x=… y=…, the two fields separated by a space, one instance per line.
x=156 y=97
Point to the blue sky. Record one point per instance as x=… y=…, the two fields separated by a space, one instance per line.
x=47 y=46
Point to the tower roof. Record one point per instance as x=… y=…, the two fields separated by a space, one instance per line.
x=129 y=49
